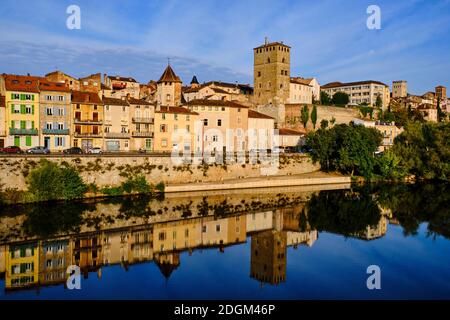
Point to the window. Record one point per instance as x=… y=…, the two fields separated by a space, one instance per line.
x=215 y=138
x=186 y=233
x=259 y=73
x=49 y=126
x=188 y=128
x=164 y=142
x=175 y=116
x=48 y=98
x=15 y=96
x=188 y=118
x=219 y=122
x=59 y=141
x=218 y=228
x=49 y=111
x=205 y=122
x=163 y=128
x=16 y=108
x=61 y=98
x=203 y=229
x=162 y=236
x=28 y=109
x=163 y=116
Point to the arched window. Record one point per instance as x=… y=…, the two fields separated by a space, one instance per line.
x=268 y=60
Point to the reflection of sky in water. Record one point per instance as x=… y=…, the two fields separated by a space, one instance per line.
x=334 y=267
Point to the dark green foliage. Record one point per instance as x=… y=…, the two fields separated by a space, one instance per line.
x=160 y=187
x=314 y=116
x=345 y=148
x=424 y=150
x=136 y=185
x=304 y=116
x=52 y=182
x=379 y=102
x=325 y=98
x=340 y=99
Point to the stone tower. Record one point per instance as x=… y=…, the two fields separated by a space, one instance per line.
x=169 y=88
x=399 y=89
x=272 y=71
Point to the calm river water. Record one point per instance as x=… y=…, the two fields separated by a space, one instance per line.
x=291 y=243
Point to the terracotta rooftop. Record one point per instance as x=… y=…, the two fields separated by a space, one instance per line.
x=115 y=101
x=86 y=97
x=290 y=132
x=119 y=78
x=45 y=85
x=169 y=76
x=132 y=100
x=256 y=115
x=346 y=84
x=22 y=83
x=57 y=71
x=166 y=109
x=301 y=81
x=220 y=103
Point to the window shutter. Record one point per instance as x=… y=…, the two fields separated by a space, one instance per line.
x=12 y=96
x=12 y=108
x=22 y=108
x=22 y=124
x=32 y=108
x=22 y=96
x=32 y=124
x=32 y=97
x=56 y=141
x=12 y=124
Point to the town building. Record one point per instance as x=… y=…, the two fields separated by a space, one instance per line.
x=290 y=139
x=116 y=124
x=169 y=88
x=399 y=89
x=217 y=90
x=60 y=77
x=2 y=121
x=428 y=112
x=174 y=129
x=22 y=110
x=55 y=256
x=223 y=125
x=271 y=70
x=22 y=265
x=260 y=131
x=54 y=115
x=142 y=124
x=87 y=120
x=388 y=130
x=441 y=93
x=91 y=83
x=300 y=91
x=361 y=92
x=122 y=86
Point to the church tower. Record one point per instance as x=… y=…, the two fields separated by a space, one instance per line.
x=272 y=71
x=169 y=88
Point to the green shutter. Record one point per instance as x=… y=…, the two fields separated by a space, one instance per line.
x=32 y=97
x=23 y=267
x=12 y=96
x=23 y=124
x=32 y=124
x=22 y=96
x=32 y=108
x=17 y=141
x=12 y=124
x=22 y=252
x=12 y=108
x=22 y=108
x=28 y=141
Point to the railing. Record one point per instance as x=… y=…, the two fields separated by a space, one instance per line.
x=143 y=120
x=87 y=135
x=87 y=121
x=142 y=134
x=117 y=135
x=55 y=131
x=28 y=132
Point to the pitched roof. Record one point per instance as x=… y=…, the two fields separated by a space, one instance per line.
x=194 y=80
x=119 y=78
x=337 y=84
x=169 y=76
x=86 y=97
x=289 y=132
x=218 y=90
x=45 y=85
x=57 y=71
x=132 y=100
x=115 y=101
x=2 y=102
x=301 y=81
x=166 y=109
x=22 y=83
x=256 y=115
x=214 y=103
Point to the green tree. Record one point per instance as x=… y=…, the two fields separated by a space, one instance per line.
x=345 y=148
x=314 y=116
x=440 y=114
x=325 y=98
x=379 y=102
x=390 y=167
x=324 y=124
x=304 y=116
x=52 y=182
x=340 y=98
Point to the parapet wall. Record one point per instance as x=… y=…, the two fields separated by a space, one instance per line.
x=112 y=171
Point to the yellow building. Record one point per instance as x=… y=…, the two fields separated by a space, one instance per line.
x=168 y=92
x=87 y=120
x=116 y=124
x=22 y=110
x=142 y=124
x=2 y=121
x=174 y=129
x=22 y=265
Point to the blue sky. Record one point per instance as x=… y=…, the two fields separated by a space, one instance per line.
x=214 y=39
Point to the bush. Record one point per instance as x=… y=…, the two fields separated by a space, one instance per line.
x=160 y=187
x=138 y=185
x=52 y=182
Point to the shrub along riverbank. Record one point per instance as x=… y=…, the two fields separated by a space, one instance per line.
x=50 y=181
x=421 y=152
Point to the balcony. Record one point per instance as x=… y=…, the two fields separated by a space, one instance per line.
x=117 y=135
x=55 y=131
x=87 y=135
x=143 y=120
x=87 y=121
x=142 y=134
x=24 y=132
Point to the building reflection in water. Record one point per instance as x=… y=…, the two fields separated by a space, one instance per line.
x=44 y=262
